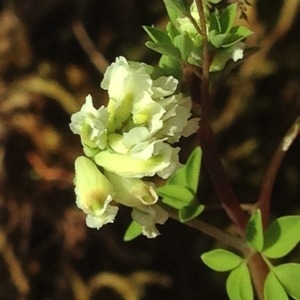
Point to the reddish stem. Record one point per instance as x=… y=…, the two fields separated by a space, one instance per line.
x=267 y=187
x=218 y=176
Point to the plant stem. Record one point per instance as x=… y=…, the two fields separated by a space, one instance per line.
x=88 y=46
x=212 y=231
x=265 y=194
x=259 y=271
x=219 y=179
x=226 y=195
x=210 y=155
x=205 y=97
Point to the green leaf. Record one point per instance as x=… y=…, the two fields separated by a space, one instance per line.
x=172 y=30
x=273 y=288
x=289 y=275
x=181 y=195
x=157 y=35
x=282 y=236
x=185 y=45
x=176 y=9
x=190 y=212
x=193 y=169
x=213 y=1
x=165 y=49
x=235 y=35
x=227 y=17
x=133 y=231
x=170 y=67
x=214 y=24
x=254 y=231
x=238 y=284
x=188 y=175
x=217 y=39
x=221 y=260
x=181 y=188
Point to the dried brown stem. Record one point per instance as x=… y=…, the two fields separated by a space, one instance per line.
x=88 y=46
x=14 y=266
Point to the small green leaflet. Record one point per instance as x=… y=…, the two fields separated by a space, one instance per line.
x=133 y=231
x=188 y=175
x=185 y=45
x=227 y=17
x=170 y=66
x=289 y=275
x=236 y=34
x=164 y=49
x=254 y=231
x=238 y=284
x=180 y=189
x=273 y=288
x=157 y=35
x=175 y=195
x=221 y=260
x=191 y=211
x=282 y=236
x=176 y=9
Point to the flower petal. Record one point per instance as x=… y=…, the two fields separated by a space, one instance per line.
x=147 y=217
x=132 y=191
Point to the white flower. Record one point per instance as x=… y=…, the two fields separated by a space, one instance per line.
x=176 y=121
x=93 y=193
x=147 y=217
x=132 y=191
x=91 y=124
x=124 y=82
x=163 y=162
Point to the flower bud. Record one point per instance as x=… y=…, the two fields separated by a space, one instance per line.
x=93 y=193
x=132 y=191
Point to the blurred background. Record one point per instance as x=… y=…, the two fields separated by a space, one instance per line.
x=52 y=54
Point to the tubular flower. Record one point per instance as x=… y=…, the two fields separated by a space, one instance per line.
x=128 y=140
x=132 y=191
x=91 y=124
x=93 y=193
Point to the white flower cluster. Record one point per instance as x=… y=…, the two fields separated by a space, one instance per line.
x=128 y=140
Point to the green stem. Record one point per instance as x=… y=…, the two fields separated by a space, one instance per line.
x=212 y=231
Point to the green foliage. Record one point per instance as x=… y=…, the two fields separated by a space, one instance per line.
x=273 y=288
x=279 y=239
x=164 y=49
x=238 y=284
x=221 y=260
x=175 y=195
x=134 y=230
x=180 y=189
x=170 y=66
x=222 y=33
x=184 y=44
x=288 y=275
x=157 y=35
x=282 y=236
x=254 y=232
x=176 y=9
